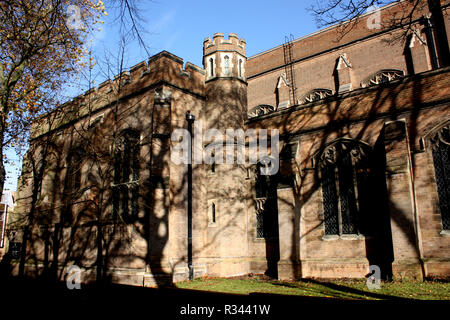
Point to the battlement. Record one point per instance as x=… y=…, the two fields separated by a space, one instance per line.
x=137 y=74
x=218 y=43
x=162 y=67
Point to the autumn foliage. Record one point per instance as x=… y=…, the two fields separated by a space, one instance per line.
x=41 y=47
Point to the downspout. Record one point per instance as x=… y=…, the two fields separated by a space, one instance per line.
x=190 y=119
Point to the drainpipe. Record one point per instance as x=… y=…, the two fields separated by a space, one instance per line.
x=190 y=119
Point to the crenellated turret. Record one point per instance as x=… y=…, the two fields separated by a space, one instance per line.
x=225 y=81
x=224 y=190
x=224 y=58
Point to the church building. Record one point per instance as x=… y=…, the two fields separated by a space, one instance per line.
x=362 y=118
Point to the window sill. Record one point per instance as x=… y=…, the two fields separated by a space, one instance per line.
x=264 y=239
x=445 y=233
x=343 y=237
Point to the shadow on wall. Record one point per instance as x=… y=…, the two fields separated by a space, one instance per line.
x=107 y=197
x=380 y=212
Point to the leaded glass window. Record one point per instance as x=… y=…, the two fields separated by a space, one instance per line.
x=441 y=158
x=266 y=205
x=260 y=224
x=126 y=176
x=72 y=182
x=344 y=170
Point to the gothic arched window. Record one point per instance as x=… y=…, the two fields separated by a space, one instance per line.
x=344 y=172
x=126 y=176
x=72 y=181
x=211 y=67
x=226 y=65
x=266 y=205
x=240 y=68
x=440 y=143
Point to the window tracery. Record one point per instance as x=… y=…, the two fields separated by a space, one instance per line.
x=383 y=76
x=260 y=110
x=345 y=177
x=315 y=95
x=440 y=146
x=126 y=175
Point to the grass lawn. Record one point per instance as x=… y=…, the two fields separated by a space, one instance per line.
x=338 y=289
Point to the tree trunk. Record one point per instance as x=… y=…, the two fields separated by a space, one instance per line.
x=2 y=166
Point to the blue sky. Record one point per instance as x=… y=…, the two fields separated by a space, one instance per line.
x=181 y=26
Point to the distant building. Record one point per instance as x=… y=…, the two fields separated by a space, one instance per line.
x=7 y=204
x=364 y=171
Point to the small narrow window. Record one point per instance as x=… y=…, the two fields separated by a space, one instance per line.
x=260 y=225
x=126 y=176
x=213 y=163
x=226 y=66
x=211 y=67
x=72 y=183
x=240 y=68
x=213 y=213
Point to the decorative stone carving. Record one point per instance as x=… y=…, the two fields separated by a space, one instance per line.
x=343 y=73
x=162 y=95
x=343 y=62
x=416 y=37
x=260 y=110
x=383 y=76
x=315 y=95
x=441 y=136
x=259 y=204
x=331 y=153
